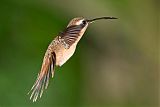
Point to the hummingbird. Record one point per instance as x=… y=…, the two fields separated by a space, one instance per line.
x=59 y=51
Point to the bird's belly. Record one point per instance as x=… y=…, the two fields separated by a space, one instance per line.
x=64 y=54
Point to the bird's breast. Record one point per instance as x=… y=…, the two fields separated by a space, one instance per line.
x=63 y=54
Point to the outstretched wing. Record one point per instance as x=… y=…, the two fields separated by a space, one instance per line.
x=71 y=34
x=42 y=81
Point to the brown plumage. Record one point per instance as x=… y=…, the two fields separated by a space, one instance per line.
x=58 y=52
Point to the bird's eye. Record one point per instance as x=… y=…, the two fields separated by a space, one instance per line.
x=84 y=22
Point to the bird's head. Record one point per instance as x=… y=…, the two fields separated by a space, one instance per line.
x=85 y=22
x=79 y=21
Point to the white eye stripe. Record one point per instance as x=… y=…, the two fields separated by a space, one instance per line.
x=79 y=22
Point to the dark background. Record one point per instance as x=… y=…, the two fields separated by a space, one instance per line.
x=115 y=64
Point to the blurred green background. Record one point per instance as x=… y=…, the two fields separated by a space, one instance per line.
x=115 y=64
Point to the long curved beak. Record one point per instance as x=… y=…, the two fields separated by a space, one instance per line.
x=99 y=18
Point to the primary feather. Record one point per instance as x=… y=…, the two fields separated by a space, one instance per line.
x=42 y=81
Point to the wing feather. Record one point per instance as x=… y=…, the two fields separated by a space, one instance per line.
x=71 y=34
x=42 y=81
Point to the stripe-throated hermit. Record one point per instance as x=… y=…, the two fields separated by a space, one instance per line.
x=59 y=51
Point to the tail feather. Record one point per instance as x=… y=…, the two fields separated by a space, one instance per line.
x=42 y=81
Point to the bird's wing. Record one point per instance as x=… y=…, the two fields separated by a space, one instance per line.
x=70 y=34
x=42 y=81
